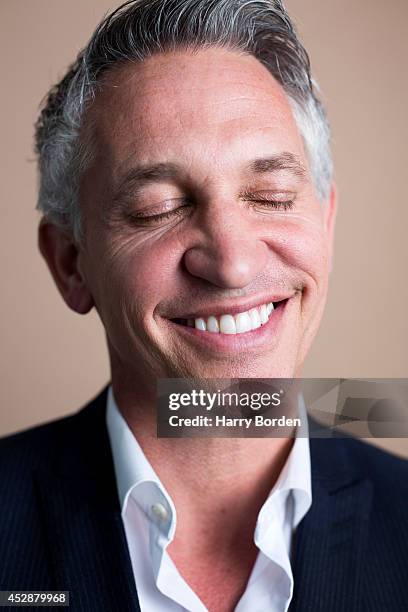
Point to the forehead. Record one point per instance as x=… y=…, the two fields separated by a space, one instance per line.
x=212 y=106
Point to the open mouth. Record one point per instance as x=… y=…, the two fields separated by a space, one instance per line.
x=239 y=323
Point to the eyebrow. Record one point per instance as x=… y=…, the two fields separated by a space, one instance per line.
x=275 y=163
x=165 y=171
x=145 y=174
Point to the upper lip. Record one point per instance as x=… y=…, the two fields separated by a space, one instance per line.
x=232 y=308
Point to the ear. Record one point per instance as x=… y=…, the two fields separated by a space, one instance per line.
x=62 y=257
x=330 y=219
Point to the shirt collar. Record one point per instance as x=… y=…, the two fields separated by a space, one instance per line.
x=296 y=473
x=135 y=475
x=133 y=469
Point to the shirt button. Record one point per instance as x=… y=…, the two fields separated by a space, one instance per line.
x=159 y=512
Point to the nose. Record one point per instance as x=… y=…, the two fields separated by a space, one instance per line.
x=227 y=250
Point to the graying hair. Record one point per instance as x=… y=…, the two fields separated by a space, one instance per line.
x=139 y=29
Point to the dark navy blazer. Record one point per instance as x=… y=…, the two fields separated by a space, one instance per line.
x=61 y=528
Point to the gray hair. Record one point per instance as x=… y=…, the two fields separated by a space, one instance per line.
x=141 y=28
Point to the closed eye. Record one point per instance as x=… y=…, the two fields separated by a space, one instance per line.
x=143 y=219
x=276 y=204
x=281 y=201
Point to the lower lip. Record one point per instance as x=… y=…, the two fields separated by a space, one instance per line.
x=265 y=335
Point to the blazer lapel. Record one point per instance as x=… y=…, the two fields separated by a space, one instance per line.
x=330 y=542
x=86 y=539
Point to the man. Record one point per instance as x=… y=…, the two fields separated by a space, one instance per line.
x=187 y=195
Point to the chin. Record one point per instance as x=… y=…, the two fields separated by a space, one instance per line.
x=269 y=366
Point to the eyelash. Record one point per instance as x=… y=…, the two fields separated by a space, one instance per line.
x=254 y=199
x=275 y=204
x=270 y=202
x=160 y=217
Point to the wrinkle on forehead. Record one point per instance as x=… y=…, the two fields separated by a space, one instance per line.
x=209 y=78
x=212 y=100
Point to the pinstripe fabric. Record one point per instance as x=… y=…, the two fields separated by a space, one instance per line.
x=60 y=524
x=61 y=527
x=351 y=549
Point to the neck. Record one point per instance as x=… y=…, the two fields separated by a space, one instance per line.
x=218 y=486
x=219 y=470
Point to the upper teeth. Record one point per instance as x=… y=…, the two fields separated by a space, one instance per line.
x=238 y=324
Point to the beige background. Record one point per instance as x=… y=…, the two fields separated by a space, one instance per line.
x=53 y=361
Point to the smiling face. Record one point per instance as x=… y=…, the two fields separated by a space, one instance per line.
x=199 y=206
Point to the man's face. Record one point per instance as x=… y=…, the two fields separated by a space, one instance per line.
x=199 y=203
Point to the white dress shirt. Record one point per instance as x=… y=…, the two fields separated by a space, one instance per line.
x=150 y=519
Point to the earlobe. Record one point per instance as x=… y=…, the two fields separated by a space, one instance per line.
x=61 y=254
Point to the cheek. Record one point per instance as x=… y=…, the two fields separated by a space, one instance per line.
x=301 y=244
x=140 y=272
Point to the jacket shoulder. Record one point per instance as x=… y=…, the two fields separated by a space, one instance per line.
x=351 y=460
x=36 y=446
x=35 y=466
x=387 y=470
